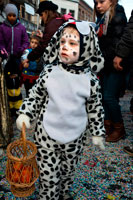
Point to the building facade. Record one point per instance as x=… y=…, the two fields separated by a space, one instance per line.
x=85 y=12
x=68 y=6
x=79 y=9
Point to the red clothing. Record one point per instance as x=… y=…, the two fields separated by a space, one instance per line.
x=50 y=29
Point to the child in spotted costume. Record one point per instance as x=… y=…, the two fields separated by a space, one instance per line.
x=66 y=101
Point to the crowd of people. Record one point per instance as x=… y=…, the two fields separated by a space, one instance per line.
x=73 y=74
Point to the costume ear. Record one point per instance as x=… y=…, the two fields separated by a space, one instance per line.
x=92 y=24
x=84 y=27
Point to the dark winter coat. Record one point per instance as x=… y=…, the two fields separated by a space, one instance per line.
x=109 y=41
x=50 y=29
x=125 y=50
x=125 y=45
x=13 y=38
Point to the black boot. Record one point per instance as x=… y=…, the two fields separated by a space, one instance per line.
x=129 y=150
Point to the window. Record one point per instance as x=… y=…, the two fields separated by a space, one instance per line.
x=72 y=12
x=28 y=17
x=22 y=12
x=82 y=14
x=63 y=11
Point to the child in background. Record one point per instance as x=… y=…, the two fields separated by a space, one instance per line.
x=13 y=36
x=13 y=40
x=12 y=77
x=32 y=69
x=66 y=101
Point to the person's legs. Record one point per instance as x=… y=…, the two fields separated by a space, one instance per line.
x=57 y=164
x=111 y=87
x=70 y=158
x=27 y=86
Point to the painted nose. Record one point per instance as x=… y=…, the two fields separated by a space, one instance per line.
x=65 y=47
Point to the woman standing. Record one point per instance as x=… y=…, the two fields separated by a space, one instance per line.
x=111 y=21
x=52 y=21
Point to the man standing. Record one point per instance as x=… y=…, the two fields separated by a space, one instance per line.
x=124 y=50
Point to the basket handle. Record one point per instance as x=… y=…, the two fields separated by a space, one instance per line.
x=23 y=136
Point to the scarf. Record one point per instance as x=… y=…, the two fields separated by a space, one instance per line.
x=102 y=24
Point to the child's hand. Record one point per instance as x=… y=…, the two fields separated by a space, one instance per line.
x=26 y=65
x=38 y=33
x=23 y=118
x=98 y=141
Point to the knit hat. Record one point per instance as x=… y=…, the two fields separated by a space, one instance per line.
x=11 y=8
x=46 y=5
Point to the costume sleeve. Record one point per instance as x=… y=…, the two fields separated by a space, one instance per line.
x=95 y=110
x=125 y=46
x=32 y=105
x=96 y=57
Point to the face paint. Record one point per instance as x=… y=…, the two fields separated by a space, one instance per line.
x=69 y=46
x=74 y=53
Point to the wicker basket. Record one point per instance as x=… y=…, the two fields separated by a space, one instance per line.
x=21 y=170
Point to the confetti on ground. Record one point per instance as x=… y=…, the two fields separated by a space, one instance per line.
x=99 y=175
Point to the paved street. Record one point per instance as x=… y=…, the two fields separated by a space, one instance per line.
x=100 y=174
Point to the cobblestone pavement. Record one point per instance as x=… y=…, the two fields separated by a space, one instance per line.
x=99 y=175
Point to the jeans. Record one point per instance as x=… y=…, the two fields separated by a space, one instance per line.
x=111 y=83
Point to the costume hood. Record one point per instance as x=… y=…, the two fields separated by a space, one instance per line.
x=90 y=54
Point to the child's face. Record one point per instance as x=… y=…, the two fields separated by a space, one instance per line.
x=33 y=43
x=102 y=5
x=69 y=46
x=11 y=18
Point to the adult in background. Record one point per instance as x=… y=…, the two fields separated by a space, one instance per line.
x=52 y=21
x=123 y=51
x=110 y=24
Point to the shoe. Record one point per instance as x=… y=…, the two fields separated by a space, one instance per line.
x=108 y=126
x=131 y=105
x=118 y=132
x=128 y=150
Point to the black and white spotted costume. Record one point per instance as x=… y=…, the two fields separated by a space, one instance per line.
x=65 y=101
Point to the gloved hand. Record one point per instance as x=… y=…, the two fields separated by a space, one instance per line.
x=98 y=141
x=22 y=118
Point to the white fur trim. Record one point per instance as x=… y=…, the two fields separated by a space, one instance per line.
x=99 y=141
x=23 y=118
